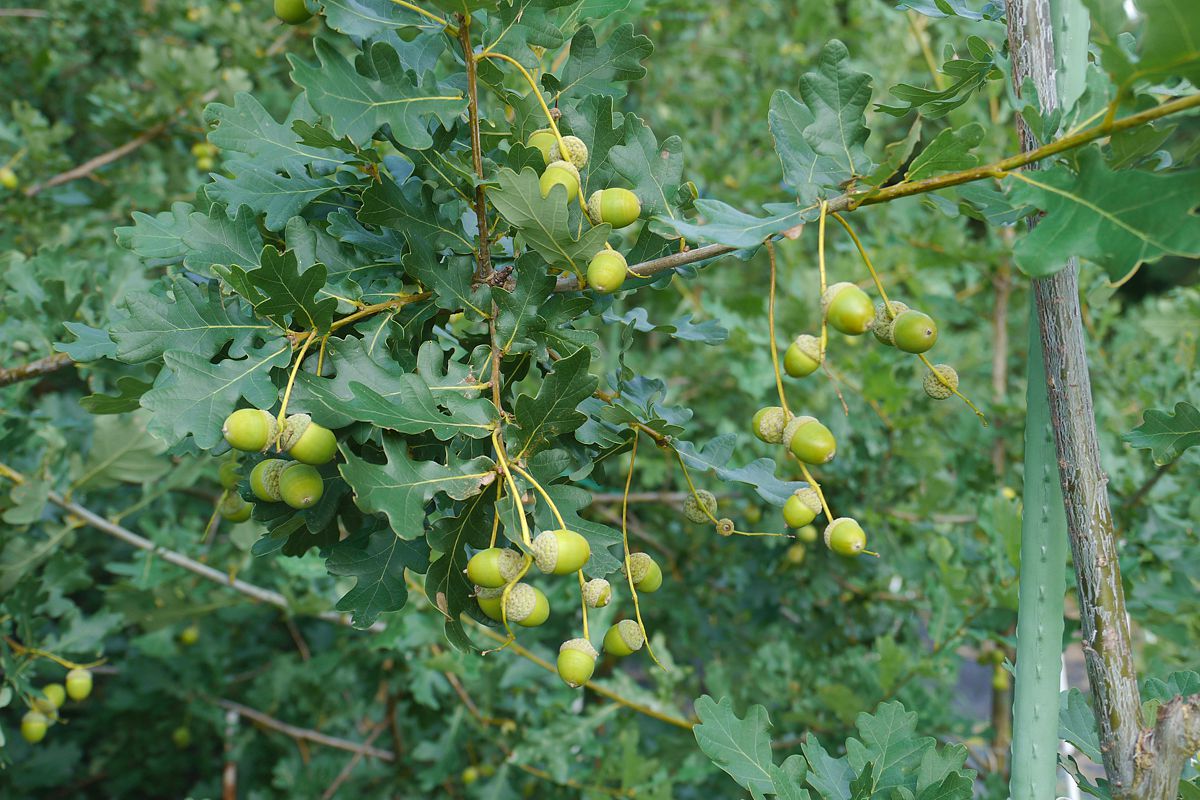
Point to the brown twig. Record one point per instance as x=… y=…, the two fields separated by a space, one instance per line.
x=28 y=13
x=35 y=369
x=353 y=762
x=302 y=734
x=481 y=253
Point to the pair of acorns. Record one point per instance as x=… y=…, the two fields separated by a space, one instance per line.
x=296 y=483
x=38 y=719
x=205 y=155
x=616 y=206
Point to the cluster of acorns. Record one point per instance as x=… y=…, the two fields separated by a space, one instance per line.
x=272 y=480
x=616 y=206
x=558 y=552
x=848 y=309
x=44 y=712
x=205 y=155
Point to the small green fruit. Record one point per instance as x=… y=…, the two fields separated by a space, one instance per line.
x=561 y=552
x=55 y=693
x=943 y=387
x=543 y=140
x=293 y=12
x=803 y=356
x=845 y=537
x=597 y=593
x=79 y=684
x=607 y=271
x=205 y=164
x=9 y=179
x=813 y=443
x=700 y=507
x=847 y=308
x=646 y=574
x=489 y=601
x=768 y=424
x=624 y=638
x=808 y=534
x=881 y=325
x=264 y=479
x=725 y=527
x=470 y=775
x=182 y=737
x=494 y=567
x=229 y=474
x=250 y=429
x=796 y=553
x=802 y=507
x=560 y=173
x=306 y=441
x=44 y=705
x=526 y=605
x=576 y=662
x=616 y=206
x=189 y=635
x=234 y=508
x=914 y=332
x=33 y=726
x=300 y=486
x=577 y=152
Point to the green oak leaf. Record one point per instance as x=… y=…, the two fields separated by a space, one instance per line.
x=1117 y=220
x=967 y=75
x=128 y=397
x=1077 y=724
x=570 y=500
x=709 y=332
x=889 y=747
x=1170 y=45
x=358 y=105
x=1167 y=434
x=837 y=98
x=346 y=269
x=157 y=237
x=466 y=6
x=369 y=20
x=352 y=360
x=654 y=170
x=452 y=283
x=554 y=409
x=724 y=224
x=400 y=487
x=1183 y=683
x=216 y=239
x=278 y=289
x=515 y=29
x=759 y=474
x=828 y=775
x=810 y=174
x=410 y=407
x=742 y=748
x=939 y=9
x=426 y=226
x=517 y=320
x=378 y=560
x=543 y=221
x=276 y=195
x=446 y=583
x=592 y=68
x=601 y=129
x=949 y=151
x=121 y=452
x=90 y=343
x=248 y=128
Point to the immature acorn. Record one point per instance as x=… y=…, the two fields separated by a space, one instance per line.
x=845 y=537
x=624 y=638
x=597 y=593
x=802 y=507
x=576 y=662
x=526 y=605
x=293 y=12
x=812 y=443
x=914 y=332
x=233 y=508
x=229 y=474
x=646 y=574
x=264 y=479
x=79 y=684
x=616 y=206
x=606 y=271
x=938 y=389
x=577 y=151
x=489 y=601
x=796 y=553
x=700 y=507
x=560 y=173
x=306 y=441
x=881 y=325
x=543 y=139
x=561 y=552
x=494 y=567
x=55 y=693
x=300 y=486
x=847 y=308
x=250 y=429
x=725 y=527
x=769 y=423
x=808 y=534
x=9 y=179
x=33 y=726
x=803 y=356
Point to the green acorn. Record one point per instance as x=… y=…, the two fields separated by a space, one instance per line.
x=576 y=662
x=812 y=443
x=845 y=537
x=543 y=140
x=560 y=173
x=624 y=638
x=306 y=441
x=577 y=151
x=526 y=605
x=606 y=271
x=914 y=332
x=79 y=684
x=796 y=553
x=802 y=507
x=646 y=574
x=293 y=12
x=264 y=479
x=250 y=429
x=494 y=567
x=229 y=474
x=847 y=308
x=597 y=593
x=940 y=389
x=233 y=508
x=9 y=179
x=55 y=693
x=768 y=424
x=808 y=534
x=489 y=601
x=616 y=206
x=803 y=356
x=561 y=552
x=700 y=507
x=881 y=325
x=181 y=737
x=300 y=486
x=33 y=726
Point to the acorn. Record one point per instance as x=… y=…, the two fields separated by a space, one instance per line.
x=250 y=429
x=293 y=12
x=725 y=527
x=802 y=507
x=494 y=567
x=561 y=552
x=205 y=164
x=576 y=662
x=306 y=441
x=881 y=325
x=264 y=479
x=543 y=139
x=55 y=693
x=229 y=474
x=577 y=151
x=526 y=605
x=79 y=684
x=181 y=737
x=33 y=726
x=606 y=271
x=796 y=553
x=597 y=593
x=300 y=486
x=812 y=443
x=9 y=179
x=803 y=356
x=914 y=332
x=768 y=424
x=489 y=601
x=700 y=507
x=560 y=173
x=845 y=537
x=233 y=508
x=624 y=638
x=940 y=389
x=616 y=206
x=644 y=571
x=189 y=635
x=808 y=534
x=847 y=308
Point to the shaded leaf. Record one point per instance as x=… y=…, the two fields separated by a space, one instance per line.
x=1167 y=434
x=378 y=561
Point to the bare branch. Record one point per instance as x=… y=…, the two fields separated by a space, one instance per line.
x=302 y=734
x=35 y=369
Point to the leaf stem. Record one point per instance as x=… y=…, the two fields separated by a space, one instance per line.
x=862 y=251
x=637 y=608
x=562 y=146
x=771 y=332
